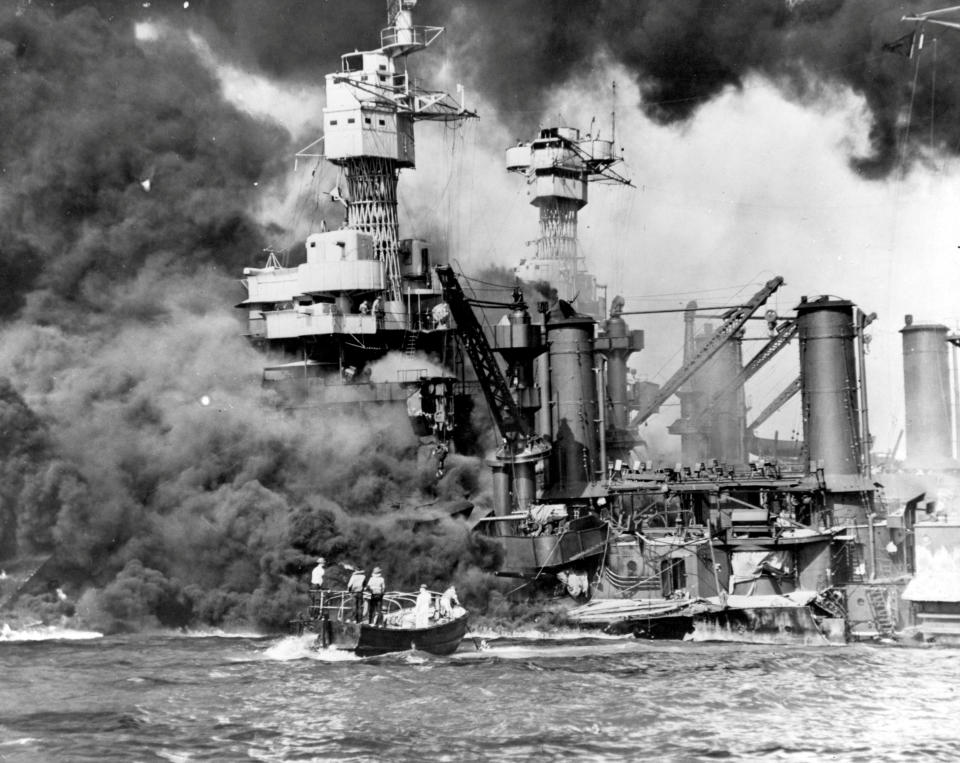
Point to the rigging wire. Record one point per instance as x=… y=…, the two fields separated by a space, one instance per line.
x=906 y=129
x=933 y=92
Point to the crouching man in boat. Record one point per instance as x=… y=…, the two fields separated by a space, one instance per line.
x=448 y=600
x=376 y=585
x=355 y=586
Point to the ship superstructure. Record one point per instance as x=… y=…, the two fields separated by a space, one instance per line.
x=362 y=291
x=720 y=549
x=559 y=164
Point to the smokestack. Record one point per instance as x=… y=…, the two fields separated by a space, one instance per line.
x=724 y=427
x=574 y=401
x=926 y=388
x=691 y=440
x=828 y=385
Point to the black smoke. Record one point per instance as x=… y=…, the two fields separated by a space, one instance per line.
x=116 y=160
x=141 y=466
x=516 y=53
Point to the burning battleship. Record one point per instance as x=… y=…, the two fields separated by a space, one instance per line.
x=741 y=538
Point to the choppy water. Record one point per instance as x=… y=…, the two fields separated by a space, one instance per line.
x=178 y=698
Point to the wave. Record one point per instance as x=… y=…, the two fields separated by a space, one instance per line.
x=45 y=633
x=217 y=633
x=303 y=648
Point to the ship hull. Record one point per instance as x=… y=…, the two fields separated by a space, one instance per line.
x=769 y=620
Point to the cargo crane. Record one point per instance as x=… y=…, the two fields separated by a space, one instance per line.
x=527 y=552
x=514 y=463
x=784 y=334
x=776 y=404
x=504 y=409
x=734 y=321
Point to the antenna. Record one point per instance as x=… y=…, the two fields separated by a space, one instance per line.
x=927 y=18
x=613 y=115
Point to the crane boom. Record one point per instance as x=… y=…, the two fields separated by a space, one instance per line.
x=787 y=331
x=504 y=409
x=735 y=319
x=791 y=389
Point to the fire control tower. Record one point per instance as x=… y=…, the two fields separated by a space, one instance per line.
x=558 y=165
x=372 y=103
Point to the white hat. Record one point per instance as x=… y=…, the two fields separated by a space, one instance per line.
x=423 y=585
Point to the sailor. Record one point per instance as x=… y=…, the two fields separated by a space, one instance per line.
x=316 y=577
x=376 y=585
x=364 y=308
x=448 y=600
x=441 y=315
x=421 y=610
x=355 y=586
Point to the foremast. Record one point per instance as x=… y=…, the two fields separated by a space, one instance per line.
x=372 y=104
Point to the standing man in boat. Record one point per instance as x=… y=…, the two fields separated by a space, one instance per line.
x=355 y=586
x=316 y=577
x=421 y=611
x=376 y=585
x=316 y=590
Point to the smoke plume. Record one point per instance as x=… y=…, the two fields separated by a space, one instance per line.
x=137 y=453
x=517 y=53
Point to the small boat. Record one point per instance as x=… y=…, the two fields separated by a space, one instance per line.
x=332 y=617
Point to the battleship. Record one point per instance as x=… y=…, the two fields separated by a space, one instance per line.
x=741 y=539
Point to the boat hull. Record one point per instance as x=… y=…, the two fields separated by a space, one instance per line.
x=365 y=640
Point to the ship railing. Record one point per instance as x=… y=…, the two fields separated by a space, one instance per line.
x=340 y=605
x=409 y=36
x=411 y=375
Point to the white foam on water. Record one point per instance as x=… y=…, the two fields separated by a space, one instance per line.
x=217 y=633
x=174 y=757
x=18 y=742
x=304 y=648
x=45 y=633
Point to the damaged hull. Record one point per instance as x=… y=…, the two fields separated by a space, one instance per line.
x=768 y=625
x=766 y=619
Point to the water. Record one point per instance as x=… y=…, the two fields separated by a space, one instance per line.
x=182 y=698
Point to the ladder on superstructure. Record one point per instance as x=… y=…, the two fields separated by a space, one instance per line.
x=410 y=342
x=881 y=613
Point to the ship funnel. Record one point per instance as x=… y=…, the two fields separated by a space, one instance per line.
x=926 y=388
x=829 y=386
